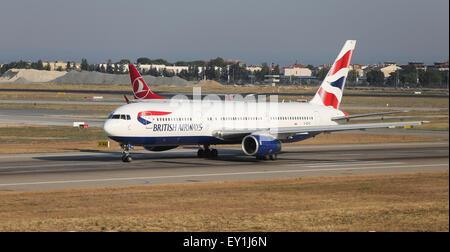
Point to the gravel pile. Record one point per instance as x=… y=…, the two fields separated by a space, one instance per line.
x=84 y=77
x=29 y=76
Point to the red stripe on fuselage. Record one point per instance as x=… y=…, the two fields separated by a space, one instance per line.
x=153 y=113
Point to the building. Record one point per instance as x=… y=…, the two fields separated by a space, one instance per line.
x=176 y=69
x=441 y=66
x=253 y=68
x=296 y=70
x=271 y=79
x=417 y=65
x=389 y=67
x=61 y=65
x=358 y=68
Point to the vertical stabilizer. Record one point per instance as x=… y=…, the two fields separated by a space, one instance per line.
x=140 y=88
x=332 y=87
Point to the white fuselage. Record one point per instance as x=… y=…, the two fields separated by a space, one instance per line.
x=187 y=122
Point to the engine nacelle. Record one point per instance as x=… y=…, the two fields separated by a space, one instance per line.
x=159 y=148
x=260 y=145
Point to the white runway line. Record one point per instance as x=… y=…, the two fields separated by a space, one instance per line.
x=215 y=174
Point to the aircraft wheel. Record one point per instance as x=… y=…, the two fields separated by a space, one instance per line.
x=214 y=153
x=273 y=157
x=126 y=158
x=200 y=153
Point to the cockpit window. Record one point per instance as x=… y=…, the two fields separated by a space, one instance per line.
x=118 y=116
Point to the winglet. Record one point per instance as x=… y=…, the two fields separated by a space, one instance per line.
x=140 y=88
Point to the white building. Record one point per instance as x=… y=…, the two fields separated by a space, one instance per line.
x=296 y=70
x=176 y=69
x=253 y=68
x=389 y=67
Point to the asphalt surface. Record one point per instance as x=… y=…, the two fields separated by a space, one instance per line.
x=103 y=169
x=51 y=117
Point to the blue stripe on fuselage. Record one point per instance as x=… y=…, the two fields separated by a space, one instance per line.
x=191 y=140
x=170 y=141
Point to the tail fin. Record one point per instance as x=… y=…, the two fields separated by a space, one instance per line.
x=332 y=87
x=140 y=88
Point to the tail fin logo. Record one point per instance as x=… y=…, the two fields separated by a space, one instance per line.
x=332 y=88
x=139 y=88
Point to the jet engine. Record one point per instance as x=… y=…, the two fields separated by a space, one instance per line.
x=261 y=146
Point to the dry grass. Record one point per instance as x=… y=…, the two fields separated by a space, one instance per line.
x=400 y=202
x=104 y=108
x=410 y=102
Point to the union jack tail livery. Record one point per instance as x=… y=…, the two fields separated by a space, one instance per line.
x=140 y=88
x=332 y=88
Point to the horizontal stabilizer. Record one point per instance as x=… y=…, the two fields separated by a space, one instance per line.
x=338 y=118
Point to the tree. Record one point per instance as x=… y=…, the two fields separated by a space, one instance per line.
x=352 y=76
x=210 y=72
x=218 y=62
x=124 y=61
x=109 y=67
x=144 y=61
x=84 y=65
x=265 y=70
x=322 y=73
x=276 y=70
x=37 y=65
x=153 y=72
x=430 y=78
x=375 y=77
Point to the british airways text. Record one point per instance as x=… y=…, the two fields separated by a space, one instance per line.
x=178 y=127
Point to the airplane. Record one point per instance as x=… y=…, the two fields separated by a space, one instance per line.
x=260 y=126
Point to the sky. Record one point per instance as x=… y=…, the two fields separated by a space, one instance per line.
x=254 y=31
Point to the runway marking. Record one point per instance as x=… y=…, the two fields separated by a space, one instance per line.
x=48 y=165
x=353 y=164
x=347 y=163
x=214 y=174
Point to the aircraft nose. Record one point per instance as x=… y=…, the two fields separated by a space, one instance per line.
x=108 y=128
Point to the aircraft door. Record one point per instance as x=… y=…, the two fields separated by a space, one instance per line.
x=316 y=118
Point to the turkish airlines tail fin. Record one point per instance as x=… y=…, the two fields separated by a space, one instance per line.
x=140 y=88
x=332 y=87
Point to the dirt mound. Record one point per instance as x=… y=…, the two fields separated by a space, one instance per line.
x=208 y=83
x=29 y=76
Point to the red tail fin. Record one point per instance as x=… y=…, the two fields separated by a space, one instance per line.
x=140 y=88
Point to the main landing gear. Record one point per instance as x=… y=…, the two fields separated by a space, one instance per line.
x=207 y=152
x=126 y=157
x=267 y=157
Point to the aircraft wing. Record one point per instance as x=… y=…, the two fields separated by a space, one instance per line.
x=227 y=134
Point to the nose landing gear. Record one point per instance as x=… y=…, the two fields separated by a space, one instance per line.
x=126 y=157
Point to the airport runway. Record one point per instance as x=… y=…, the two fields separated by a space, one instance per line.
x=103 y=169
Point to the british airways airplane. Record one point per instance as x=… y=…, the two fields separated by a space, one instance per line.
x=260 y=126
